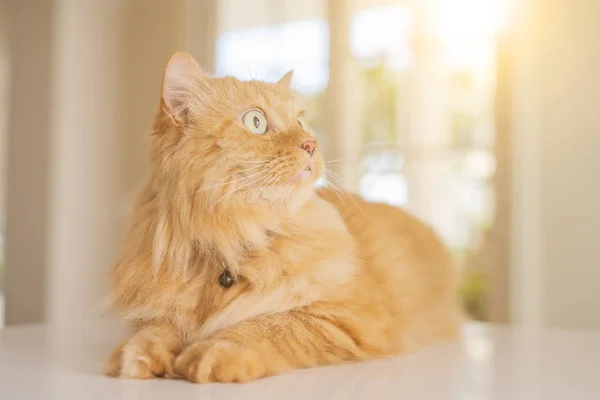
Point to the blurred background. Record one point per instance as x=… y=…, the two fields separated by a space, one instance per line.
x=479 y=116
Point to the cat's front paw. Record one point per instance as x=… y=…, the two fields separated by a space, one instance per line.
x=220 y=361
x=140 y=359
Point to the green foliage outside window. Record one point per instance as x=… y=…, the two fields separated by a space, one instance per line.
x=380 y=96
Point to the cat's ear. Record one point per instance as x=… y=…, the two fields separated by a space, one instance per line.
x=286 y=80
x=179 y=86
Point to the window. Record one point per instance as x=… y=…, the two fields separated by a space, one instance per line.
x=428 y=76
x=425 y=83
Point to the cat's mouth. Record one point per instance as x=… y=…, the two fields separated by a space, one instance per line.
x=309 y=167
x=303 y=172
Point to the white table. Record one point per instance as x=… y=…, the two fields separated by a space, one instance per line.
x=38 y=362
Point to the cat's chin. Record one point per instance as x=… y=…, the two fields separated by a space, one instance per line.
x=305 y=173
x=302 y=175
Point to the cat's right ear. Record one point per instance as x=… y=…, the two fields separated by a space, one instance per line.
x=286 y=80
x=180 y=86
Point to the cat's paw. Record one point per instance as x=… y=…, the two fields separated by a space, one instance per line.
x=140 y=359
x=220 y=361
x=112 y=366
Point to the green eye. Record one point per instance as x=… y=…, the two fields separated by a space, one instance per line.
x=255 y=121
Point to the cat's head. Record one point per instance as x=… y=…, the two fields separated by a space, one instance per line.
x=227 y=141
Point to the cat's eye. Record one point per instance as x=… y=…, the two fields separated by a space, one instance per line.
x=302 y=123
x=255 y=121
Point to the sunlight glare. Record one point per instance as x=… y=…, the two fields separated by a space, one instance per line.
x=460 y=18
x=467 y=28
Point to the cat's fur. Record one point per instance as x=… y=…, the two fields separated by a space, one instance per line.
x=319 y=279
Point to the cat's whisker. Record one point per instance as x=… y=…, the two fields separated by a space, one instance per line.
x=274 y=178
x=257 y=180
x=335 y=190
x=330 y=173
x=238 y=172
x=333 y=186
x=289 y=192
x=336 y=160
x=219 y=183
x=339 y=192
x=357 y=204
x=282 y=169
x=330 y=177
x=235 y=180
x=333 y=175
x=256 y=161
x=216 y=202
x=337 y=183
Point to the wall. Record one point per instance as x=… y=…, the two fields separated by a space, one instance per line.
x=29 y=114
x=556 y=269
x=3 y=122
x=569 y=70
x=85 y=80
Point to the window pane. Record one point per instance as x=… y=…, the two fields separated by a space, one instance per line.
x=427 y=84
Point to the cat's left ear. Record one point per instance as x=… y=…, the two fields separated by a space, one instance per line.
x=180 y=86
x=286 y=80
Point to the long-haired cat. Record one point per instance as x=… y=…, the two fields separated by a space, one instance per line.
x=235 y=268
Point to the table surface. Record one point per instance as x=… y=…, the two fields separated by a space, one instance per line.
x=487 y=362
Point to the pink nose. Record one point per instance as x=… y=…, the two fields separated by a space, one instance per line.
x=309 y=146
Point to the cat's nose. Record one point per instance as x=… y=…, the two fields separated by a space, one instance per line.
x=309 y=146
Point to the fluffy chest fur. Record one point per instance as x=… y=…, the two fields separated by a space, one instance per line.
x=312 y=261
x=312 y=258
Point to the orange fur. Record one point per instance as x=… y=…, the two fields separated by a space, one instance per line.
x=319 y=279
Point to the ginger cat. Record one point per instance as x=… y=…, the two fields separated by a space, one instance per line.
x=234 y=268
